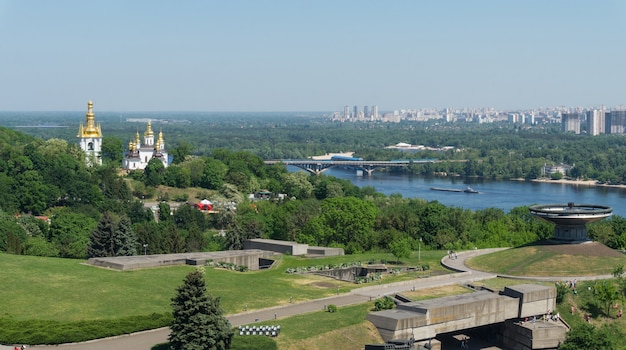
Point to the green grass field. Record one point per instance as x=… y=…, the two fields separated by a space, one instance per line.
x=541 y=261
x=51 y=293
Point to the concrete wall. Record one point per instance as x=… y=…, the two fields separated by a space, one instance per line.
x=533 y=299
x=284 y=247
x=531 y=336
x=325 y=251
x=248 y=258
x=426 y=319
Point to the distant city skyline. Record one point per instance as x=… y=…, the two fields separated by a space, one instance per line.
x=279 y=55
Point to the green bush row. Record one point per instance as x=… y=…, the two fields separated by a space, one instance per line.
x=313 y=268
x=54 y=332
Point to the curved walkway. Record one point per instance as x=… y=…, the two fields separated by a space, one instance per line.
x=146 y=340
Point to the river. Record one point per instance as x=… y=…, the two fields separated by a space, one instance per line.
x=492 y=194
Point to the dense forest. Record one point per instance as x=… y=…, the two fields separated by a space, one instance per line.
x=96 y=211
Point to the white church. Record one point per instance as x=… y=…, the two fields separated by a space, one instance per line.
x=139 y=154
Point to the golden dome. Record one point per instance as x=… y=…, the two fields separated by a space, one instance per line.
x=149 y=132
x=90 y=129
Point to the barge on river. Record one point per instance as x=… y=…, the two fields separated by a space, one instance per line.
x=466 y=190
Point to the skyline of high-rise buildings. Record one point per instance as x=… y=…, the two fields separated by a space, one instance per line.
x=592 y=121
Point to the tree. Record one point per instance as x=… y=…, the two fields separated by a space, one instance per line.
x=199 y=321
x=164 y=211
x=125 y=238
x=112 y=150
x=154 y=172
x=70 y=233
x=181 y=152
x=400 y=248
x=101 y=240
x=607 y=294
x=556 y=176
x=586 y=336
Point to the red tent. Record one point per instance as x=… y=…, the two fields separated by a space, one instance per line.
x=205 y=205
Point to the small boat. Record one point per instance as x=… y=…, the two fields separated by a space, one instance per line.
x=470 y=190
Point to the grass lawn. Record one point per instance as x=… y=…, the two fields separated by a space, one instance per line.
x=542 y=261
x=65 y=291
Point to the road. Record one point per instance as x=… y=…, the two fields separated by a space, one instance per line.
x=146 y=340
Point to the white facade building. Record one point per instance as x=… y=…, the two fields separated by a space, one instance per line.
x=139 y=154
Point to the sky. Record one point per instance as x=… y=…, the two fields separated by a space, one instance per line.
x=297 y=55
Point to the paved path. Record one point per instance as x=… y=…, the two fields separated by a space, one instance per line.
x=146 y=340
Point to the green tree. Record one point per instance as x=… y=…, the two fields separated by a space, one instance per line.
x=12 y=235
x=213 y=174
x=102 y=239
x=125 y=238
x=181 y=152
x=199 y=322
x=344 y=221
x=556 y=176
x=164 y=211
x=154 y=172
x=112 y=150
x=38 y=246
x=70 y=232
x=606 y=295
x=400 y=248
x=588 y=337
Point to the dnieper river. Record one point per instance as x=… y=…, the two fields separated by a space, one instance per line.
x=493 y=194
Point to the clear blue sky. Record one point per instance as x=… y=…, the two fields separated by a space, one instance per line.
x=291 y=55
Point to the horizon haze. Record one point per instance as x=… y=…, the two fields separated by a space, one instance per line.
x=262 y=56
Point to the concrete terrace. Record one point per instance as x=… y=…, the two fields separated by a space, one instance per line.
x=249 y=258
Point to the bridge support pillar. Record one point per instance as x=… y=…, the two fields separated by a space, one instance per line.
x=369 y=171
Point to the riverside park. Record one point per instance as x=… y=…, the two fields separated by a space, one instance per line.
x=56 y=301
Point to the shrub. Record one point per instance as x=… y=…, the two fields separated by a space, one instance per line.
x=332 y=308
x=384 y=303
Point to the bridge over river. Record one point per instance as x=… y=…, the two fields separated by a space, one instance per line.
x=319 y=166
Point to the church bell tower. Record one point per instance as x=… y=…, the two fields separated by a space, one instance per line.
x=90 y=136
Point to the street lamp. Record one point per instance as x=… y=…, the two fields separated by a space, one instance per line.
x=145 y=245
x=419 y=250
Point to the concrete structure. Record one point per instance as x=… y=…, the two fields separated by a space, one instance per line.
x=570 y=122
x=426 y=319
x=541 y=334
x=90 y=135
x=253 y=259
x=291 y=248
x=571 y=219
x=615 y=122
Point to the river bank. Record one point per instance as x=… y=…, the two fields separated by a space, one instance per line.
x=593 y=183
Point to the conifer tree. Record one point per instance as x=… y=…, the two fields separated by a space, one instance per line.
x=198 y=323
x=125 y=239
x=101 y=239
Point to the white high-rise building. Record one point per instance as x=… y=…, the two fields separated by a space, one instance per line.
x=595 y=122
